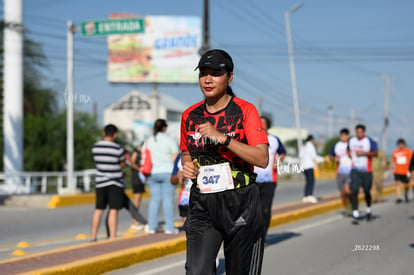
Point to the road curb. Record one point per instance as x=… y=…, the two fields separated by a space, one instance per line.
x=115 y=260
x=317 y=209
x=81 y=199
x=130 y=256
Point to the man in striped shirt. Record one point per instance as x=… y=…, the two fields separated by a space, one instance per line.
x=109 y=159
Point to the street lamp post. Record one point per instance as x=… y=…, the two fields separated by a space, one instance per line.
x=292 y=71
x=71 y=184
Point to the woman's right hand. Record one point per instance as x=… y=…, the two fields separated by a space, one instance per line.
x=190 y=169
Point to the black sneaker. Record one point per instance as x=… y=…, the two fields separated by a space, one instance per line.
x=369 y=217
x=406 y=198
x=398 y=201
x=355 y=221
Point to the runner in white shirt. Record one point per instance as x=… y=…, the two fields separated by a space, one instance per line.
x=362 y=149
x=340 y=154
x=267 y=177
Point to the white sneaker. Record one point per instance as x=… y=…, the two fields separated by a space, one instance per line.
x=312 y=199
x=147 y=230
x=305 y=199
x=173 y=232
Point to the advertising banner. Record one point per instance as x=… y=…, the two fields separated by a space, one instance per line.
x=167 y=51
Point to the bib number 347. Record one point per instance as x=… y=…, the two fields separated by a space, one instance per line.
x=215 y=178
x=211 y=179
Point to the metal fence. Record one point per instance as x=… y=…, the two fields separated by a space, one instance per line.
x=46 y=182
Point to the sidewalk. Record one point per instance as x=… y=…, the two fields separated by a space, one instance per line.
x=103 y=256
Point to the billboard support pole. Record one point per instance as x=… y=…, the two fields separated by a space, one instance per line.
x=206 y=35
x=156 y=99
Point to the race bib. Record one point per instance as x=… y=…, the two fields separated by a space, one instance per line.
x=345 y=161
x=215 y=178
x=402 y=160
x=360 y=161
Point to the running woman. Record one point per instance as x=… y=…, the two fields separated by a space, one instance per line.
x=222 y=139
x=400 y=162
x=362 y=149
x=339 y=153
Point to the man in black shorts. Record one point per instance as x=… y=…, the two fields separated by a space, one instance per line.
x=109 y=159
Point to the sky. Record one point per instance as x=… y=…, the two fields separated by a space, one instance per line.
x=343 y=50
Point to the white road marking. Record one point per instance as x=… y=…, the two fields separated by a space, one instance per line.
x=318 y=223
x=162 y=268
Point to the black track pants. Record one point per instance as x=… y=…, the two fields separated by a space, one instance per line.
x=364 y=180
x=233 y=217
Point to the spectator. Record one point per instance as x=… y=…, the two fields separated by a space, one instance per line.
x=109 y=158
x=379 y=166
x=138 y=183
x=163 y=150
x=308 y=158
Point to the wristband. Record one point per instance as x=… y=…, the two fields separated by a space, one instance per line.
x=227 y=142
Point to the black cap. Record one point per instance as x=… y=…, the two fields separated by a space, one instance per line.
x=217 y=60
x=401 y=140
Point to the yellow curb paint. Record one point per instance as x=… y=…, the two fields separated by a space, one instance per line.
x=178 y=224
x=71 y=200
x=18 y=252
x=116 y=260
x=22 y=244
x=85 y=198
x=81 y=236
x=59 y=250
x=129 y=234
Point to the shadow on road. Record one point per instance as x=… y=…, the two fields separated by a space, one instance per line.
x=280 y=237
x=373 y=218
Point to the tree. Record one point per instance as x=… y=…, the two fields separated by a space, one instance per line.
x=44 y=124
x=291 y=147
x=86 y=134
x=328 y=145
x=38 y=100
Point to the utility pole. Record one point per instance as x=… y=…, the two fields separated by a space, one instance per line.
x=206 y=30
x=156 y=100
x=260 y=105
x=352 y=122
x=13 y=93
x=330 y=121
x=71 y=184
x=386 y=112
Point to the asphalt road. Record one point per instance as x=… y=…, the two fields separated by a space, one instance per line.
x=47 y=229
x=326 y=244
